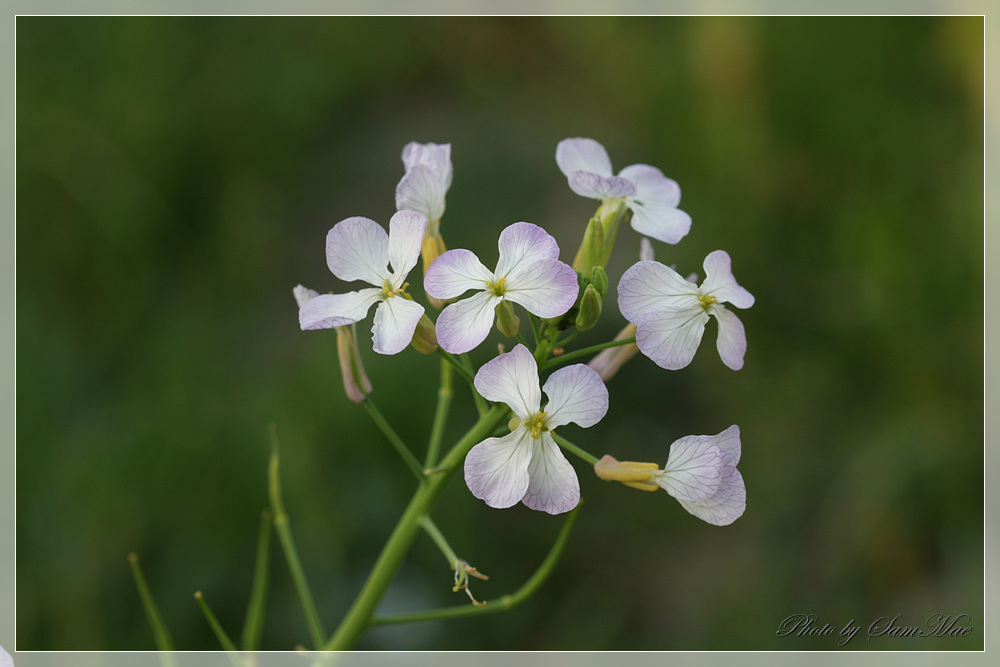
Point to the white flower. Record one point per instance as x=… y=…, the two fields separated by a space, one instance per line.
x=670 y=312
x=359 y=249
x=527 y=465
x=528 y=274
x=427 y=179
x=701 y=474
x=652 y=196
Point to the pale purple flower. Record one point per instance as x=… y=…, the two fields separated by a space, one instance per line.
x=670 y=312
x=527 y=465
x=652 y=196
x=427 y=179
x=5 y=659
x=701 y=474
x=359 y=249
x=528 y=274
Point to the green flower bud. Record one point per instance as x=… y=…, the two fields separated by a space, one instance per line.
x=507 y=322
x=590 y=309
x=424 y=336
x=600 y=281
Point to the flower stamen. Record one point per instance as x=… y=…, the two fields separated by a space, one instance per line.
x=707 y=300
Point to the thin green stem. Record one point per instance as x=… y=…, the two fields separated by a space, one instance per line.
x=587 y=351
x=451 y=359
x=359 y=616
x=482 y=407
x=393 y=438
x=440 y=415
x=160 y=633
x=570 y=447
x=220 y=632
x=284 y=530
x=250 y=639
x=431 y=529
x=534 y=326
x=568 y=339
x=520 y=339
x=499 y=604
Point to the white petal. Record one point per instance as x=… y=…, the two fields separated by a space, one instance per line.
x=463 y=325
x=645 y=250
x=595 y=186
x=552 y=483
x=670 y=337
x=358 y=249
x=496 y=470
x=511 y=378
x=547 y=288
x=336 y=310
x=303 y=294
x=693 y=470
x=406 y=234
x=729 y=442
x=651 y=186
x=523 y=243
x=647 y=285
x=576 y=394
x=395 y=321
x=725 y=512
x=582 y=155
x=732 y=341
x=420 y=190
x=720 y=282
x=663 y=223
x=436 y=157
x=454 y=273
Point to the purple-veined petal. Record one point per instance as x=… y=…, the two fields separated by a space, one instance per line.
x=327 y=311
x=580 y=154
x=522 y=244
x=511 y=378
x=303 y=294
x=648 y=285
x=724 y=512
x=436 y=157
x=406 y=234
x=694 y=468
x=421 y=191
x=395 y=321
x=663 y=223
x=463 y=325
x=651 y=186
x=576 y=394
x=496 y=470
x=670 y=337
x=552 y=483
x=732 y=341
x=358 y=249
x=547 y=288
x=595 y=186
x=729 y=442
x=454 y=273
x=720 y=282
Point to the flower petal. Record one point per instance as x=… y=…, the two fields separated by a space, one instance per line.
x=595 y=186
x=663 y=223
x=522 y=244
x=645 y=250
x=303 y=294
x=327 y=311
x=552 y=483
x=455 y=272
x=729 y=442
x=582 y=154
x=406 y=235
x=420 y=190
x=358 y=249
x=576 y=394
x=720 y=282
x=693 y=470
x=669 y=336
x=496 y=470
x=463 y=325
x=651 y=186
x=395 y=321
x=725 y=512
x=547 y=288
x=648 y=285
x=732 y=341
x=511 y=378
x=436 y=157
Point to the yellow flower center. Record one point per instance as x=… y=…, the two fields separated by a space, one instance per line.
x=707 y=300
x=388 y=292
x=496 y=287
x=537 y=424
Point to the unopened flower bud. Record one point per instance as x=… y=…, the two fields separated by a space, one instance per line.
x=356 y=382
x=610 y=360
x=424 y=336
x=590 y=309
x=630 y=473
x=507 y=322
x=600 y=281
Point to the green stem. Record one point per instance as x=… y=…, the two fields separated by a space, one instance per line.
x=160 y=633
x=220 y=633
x=440 y=415
x=431 y=529
x=254 y=622
x=397 y=442
x=482 y=407
x=284 y=531
x=587 y=351
x=520 y=339
x=570 y=447
x=451 y=359
x=499 y=604
x=359 y=616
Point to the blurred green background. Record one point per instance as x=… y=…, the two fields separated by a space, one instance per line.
x=176 y=178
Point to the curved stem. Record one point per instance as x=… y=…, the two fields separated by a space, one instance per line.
x=394 y=439
x=587 y=351
x=451 y=359
x=570 y=447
